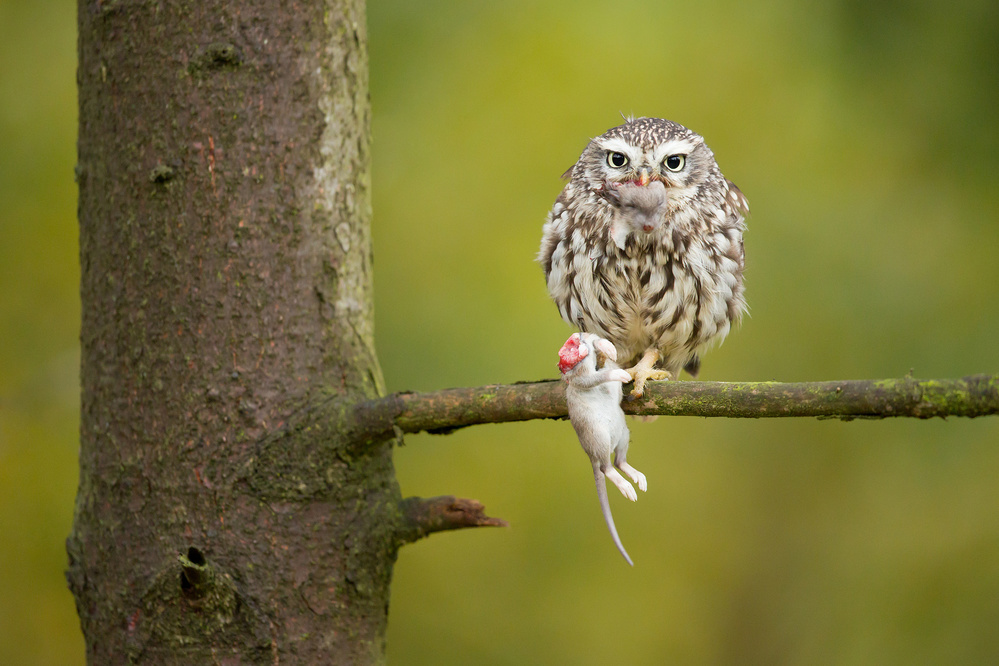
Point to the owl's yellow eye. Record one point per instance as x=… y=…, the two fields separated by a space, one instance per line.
x=675 y=162
x=617 y=160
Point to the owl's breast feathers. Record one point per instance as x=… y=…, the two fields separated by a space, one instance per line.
x=678 y=289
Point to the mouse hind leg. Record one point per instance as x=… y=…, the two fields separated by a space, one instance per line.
x=622 y=484
x=620 y=461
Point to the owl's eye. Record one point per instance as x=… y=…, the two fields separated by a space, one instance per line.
x=675 y=162
x=617 y=160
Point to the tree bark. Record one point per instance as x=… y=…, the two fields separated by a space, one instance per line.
x=226 y=285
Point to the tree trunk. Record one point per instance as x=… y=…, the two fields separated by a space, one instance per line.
x=226 y=286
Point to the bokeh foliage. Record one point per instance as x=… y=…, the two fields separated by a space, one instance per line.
x=39 y=328
x=864 y=135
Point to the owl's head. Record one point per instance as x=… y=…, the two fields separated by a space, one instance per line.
x=643 y=151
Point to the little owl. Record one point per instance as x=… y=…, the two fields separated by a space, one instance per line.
x=643 y=247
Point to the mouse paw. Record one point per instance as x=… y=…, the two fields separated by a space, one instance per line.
x=622 y=484
x=635 y=476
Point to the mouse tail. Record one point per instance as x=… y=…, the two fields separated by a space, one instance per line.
x=608 y=518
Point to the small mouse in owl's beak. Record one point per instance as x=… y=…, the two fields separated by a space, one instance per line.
x=644 y=205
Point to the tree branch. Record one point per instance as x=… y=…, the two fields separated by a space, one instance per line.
x=449 y=409
x=437 y=514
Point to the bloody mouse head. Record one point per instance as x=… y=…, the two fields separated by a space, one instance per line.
x=571 y=353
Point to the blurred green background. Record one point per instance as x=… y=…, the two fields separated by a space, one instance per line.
x=865 y=136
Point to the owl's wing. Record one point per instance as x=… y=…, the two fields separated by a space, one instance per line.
x=736 y=199
x=552 y=233
x=738 y=206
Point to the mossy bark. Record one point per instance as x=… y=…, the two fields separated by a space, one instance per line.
x=226 y=288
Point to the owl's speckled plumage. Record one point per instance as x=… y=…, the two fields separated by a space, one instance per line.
x=648 y=254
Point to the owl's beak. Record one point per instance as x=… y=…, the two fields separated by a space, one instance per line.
x=643 y=177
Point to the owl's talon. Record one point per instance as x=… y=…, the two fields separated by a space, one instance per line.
x=654 y=375
x=645 y=370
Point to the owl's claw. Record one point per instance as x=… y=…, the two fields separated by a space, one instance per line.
x=640 y=379
x=645 y=370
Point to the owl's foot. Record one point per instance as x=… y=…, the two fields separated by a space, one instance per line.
x=645 y=370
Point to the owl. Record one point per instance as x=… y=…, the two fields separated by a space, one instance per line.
x=644 y=248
